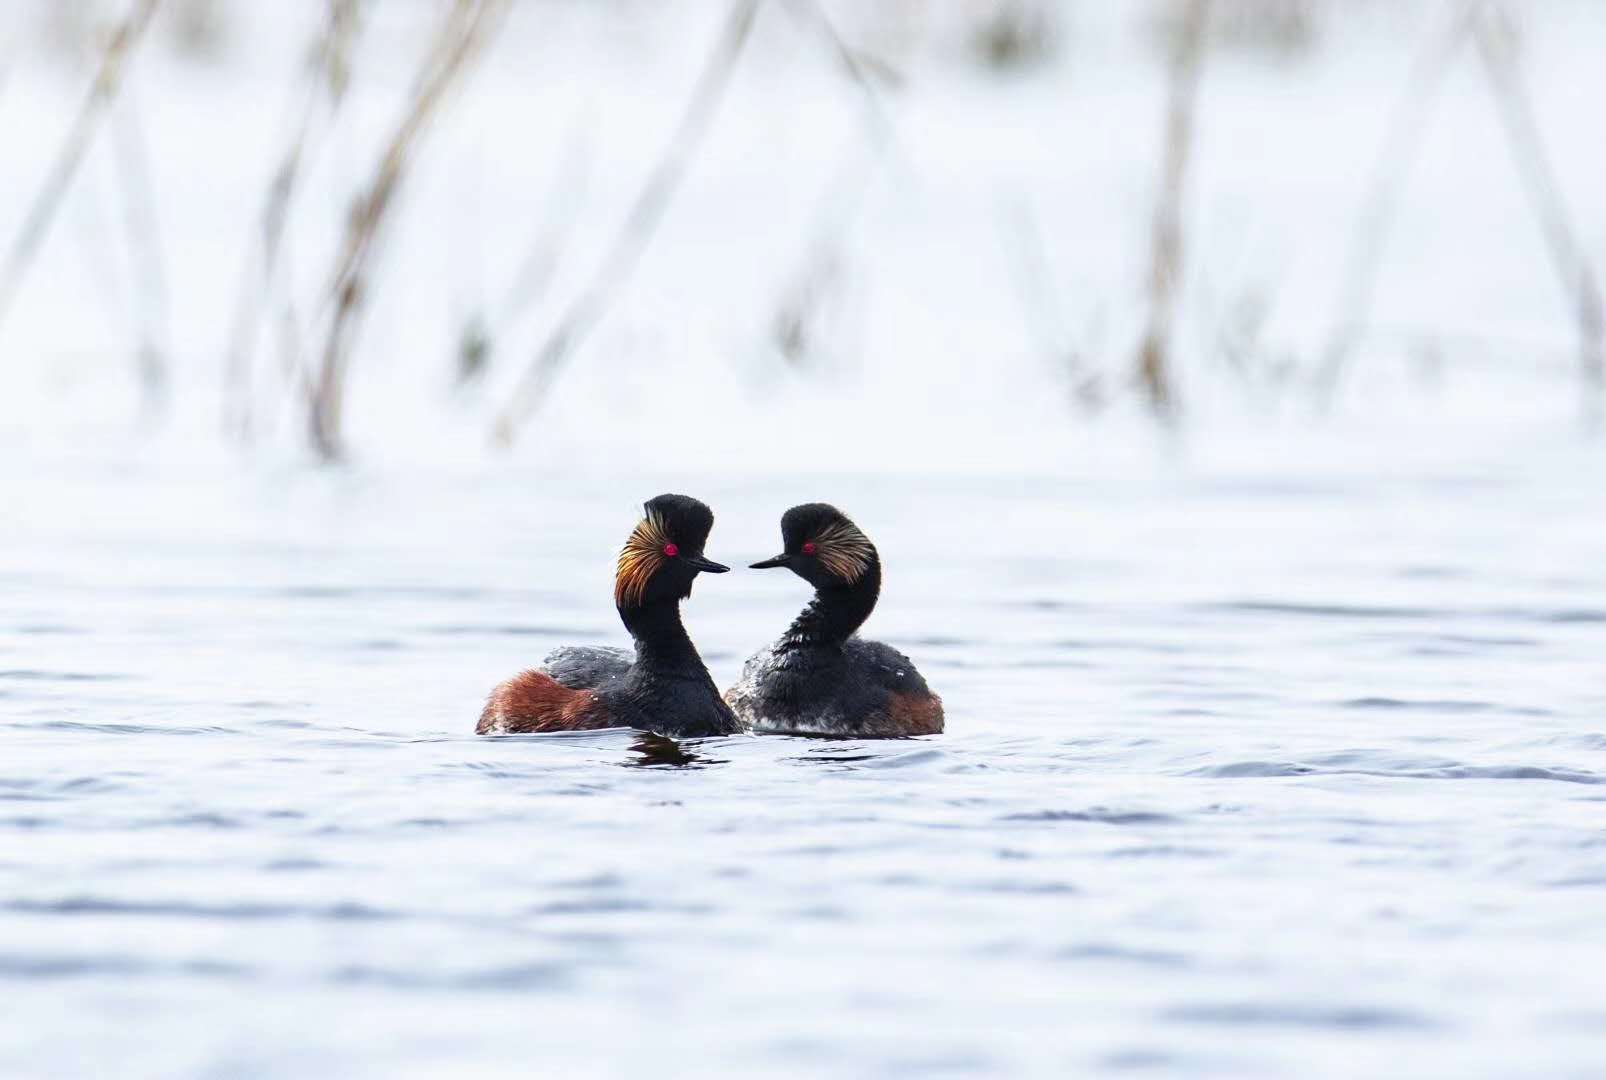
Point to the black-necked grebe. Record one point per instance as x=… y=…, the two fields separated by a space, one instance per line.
x=821 y=678
x=665 y=687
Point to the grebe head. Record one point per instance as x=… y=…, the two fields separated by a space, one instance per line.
x=823 y=547
x=664 y=553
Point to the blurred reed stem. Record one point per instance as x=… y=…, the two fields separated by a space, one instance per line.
x=1497 y=50
x=819 y=279
x=853 y=63
x=328 y=74
x=464 y=30
x=646 y=213
x=146 y=256
x=1488 y=26
x=479 y=334
x=1401 y=144
x=102 y=93
x=1155 y=376
x=1066 y=355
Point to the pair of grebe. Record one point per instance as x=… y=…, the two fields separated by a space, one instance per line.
x=819 y=678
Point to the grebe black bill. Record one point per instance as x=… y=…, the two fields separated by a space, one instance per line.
x=820 y=677
x=664 y=687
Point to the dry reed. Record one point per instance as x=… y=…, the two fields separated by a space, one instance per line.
x=640 y=224
x=465 y=29
x=102 y=93
x=327 y=76
x=1154 y=372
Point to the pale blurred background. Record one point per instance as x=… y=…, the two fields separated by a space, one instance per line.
x=976 y=233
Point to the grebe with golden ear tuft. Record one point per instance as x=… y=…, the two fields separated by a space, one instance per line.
x=821 y=678
x=664 y=687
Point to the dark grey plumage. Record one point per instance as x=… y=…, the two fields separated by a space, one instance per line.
x=848 y=692
x=884 y=666
x=588 y=667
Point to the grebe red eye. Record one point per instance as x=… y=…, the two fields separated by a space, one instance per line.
x=671 y=550
x=809 y=548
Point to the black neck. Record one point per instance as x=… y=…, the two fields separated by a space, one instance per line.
x=662 y=644
x=836 y=612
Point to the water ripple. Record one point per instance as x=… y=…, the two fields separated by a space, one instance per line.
x=513 y=630
x=28 y=966
x=1126 y=954
x=1340 y=610
x=1452 y=705
x=1278 y=1014
x=533 y=976
x=346 y=911
x=1449 y=771
x=1323 y=611
x=1095 y=813
x=37 y=675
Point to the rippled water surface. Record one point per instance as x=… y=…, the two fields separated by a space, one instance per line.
x=1244 y=775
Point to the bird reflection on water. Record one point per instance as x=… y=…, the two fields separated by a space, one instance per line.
x=651 y=751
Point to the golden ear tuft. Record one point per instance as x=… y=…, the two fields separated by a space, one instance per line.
x=844 y=551
x=641 y=558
